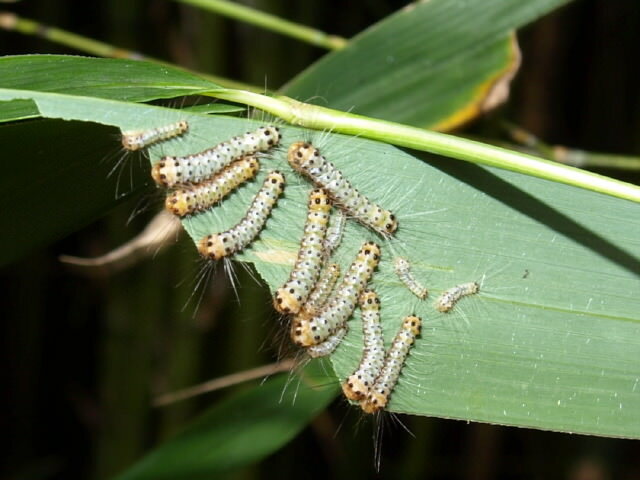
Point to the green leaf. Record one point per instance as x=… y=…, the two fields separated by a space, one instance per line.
x=433 y=64
x=117 y=79
x=553 y=338
x=58 y=181
x=239 y=430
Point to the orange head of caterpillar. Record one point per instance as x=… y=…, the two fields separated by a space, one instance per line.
x=301 y=330
x=165 y=169
x=372 y=252
x=369 y=300
x=213 y=247
x=391 y=223
x=177 y=204
x=131 y=142
x=287 y=300
x=412 y=324
x=303 y=155
x=271 y=135
x=319 y=201
x=383 y=221
x=374 y=402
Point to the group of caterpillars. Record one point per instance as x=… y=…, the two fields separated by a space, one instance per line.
x=318 y=306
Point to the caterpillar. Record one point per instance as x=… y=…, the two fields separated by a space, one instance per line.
x=329 y=345
x=334 y=232
x=306 y=159
x=135 y=140
x=322 y=290
x=450 y=297
x=194 y=168
x=402 y=267
x=378 y=396
x=199 y=197
x=219 y=245
x=317 y=299
x=307 y=331
x=293 y=294
x=356 y=386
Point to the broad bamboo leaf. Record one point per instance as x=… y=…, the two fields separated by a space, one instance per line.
x=553 y=338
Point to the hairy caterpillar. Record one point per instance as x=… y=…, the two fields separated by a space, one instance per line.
x=201 y=196
x=219 y=245
x=293 y=294
x=306 y=159
x=135 y=140
x=322 y=290
x=335 y=231
x=378 y=396
x=403 y=271
x=308 y=331
x=357 y=386
x=171 y=171
x=450 y=297
x=329 y=345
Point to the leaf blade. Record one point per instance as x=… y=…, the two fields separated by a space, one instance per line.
x=432 y=64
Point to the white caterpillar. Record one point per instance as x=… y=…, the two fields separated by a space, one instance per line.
x=378 y=396
x=294 y=293
x=171 y=171
x=313 y=306
x=329 y=345
x=219 y=245
x=306 y=159
x=334 y=232
x=450 y=297
x=306 y=331
x=321 y=292
x=199 y=197
x=403 y=271
x=135 y=140
x=357 y=386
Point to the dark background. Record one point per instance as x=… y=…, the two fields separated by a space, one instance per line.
x=84 y=356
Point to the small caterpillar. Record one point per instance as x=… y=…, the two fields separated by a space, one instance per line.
x=329 y=345
x=403 y=270
x=317 y=299
x=321 y=292
x=306 y=159
x=219 y=245
x=293 y=294
x=135 y=140
x=199 y=197
x=378 y=396
x=450 y=297
x=170 y=171
x=357 y=386
x=334 y=232
x=307 y=331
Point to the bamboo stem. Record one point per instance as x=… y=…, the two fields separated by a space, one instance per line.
x=322 y=118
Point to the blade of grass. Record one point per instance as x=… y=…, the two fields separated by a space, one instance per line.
x=12 y=22
x=269 y=22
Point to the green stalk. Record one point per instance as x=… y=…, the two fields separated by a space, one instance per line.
x=321 y=118
x=571 y=156
x=271 y=22
x=12 y=22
